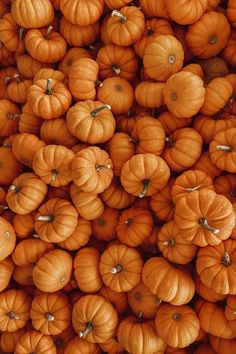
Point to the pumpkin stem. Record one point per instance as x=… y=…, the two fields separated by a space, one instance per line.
x=176 y=316
x=95 y=112
x=18 y=78
x=101 y=222
x=226 y=148
x=35 y=235
x=7 y=234
x=212 y=39
x=48 y=90
x=230 y=102
x=169 y=141
x=54 y=173
x=119 y=15
x=204 y=223
x=170 y=242
x=49 y=30
x=98 y=167
x=21 y=32
x=171 y=59
x=116 y=269
x=14 y=188
x=116 y=69
x=173 y=96
x=98 y=83
x=49 y=317
x=195 y=188
x=226 y=260
x=13 y=316
x=145 y=188
x=93 y=48
x=86 y=330
x=158 y=302
x=4 y=207
x=234 y=312
x=128 y=222
x=45 y=218
x=150 y=31
x=7 y=80
x=13 y=116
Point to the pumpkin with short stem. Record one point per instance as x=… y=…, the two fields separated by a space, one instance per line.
x=119 y=61
x=50 y=313
x=170 y=123
x=17 y=89
x=220 y=345
x=173 y=246
x=149 y=94
x=92 y=170
x=116 y=197
x=118 y=300
x=120 y=267
x=49 y=98
x=6 y=270
x=216 y=267
x=231 y=13
x=70 y=57
x=118 y=93
x=9 y=117
x=205 y=164
x=204 y=217
x=91 y=121
x=222 y=150
x=82 y=13
x=26 y=193
x=226 y=185
x=178 y=290
x=104 y=227
x=134 y=226
x=11 y=34
x=56 y=220
x=14 y=309
x=184 y=94
x=29 y=251
x=94 y=318
x=34 y=341
x=79 y=346
x=181 y=320
x=86 y=270
x=8 y=238
x=186 y=12
x=56 y=132
x=161 y=203
x=29 y=123
x=53 y=271
x=190 y=181
x=144 y=174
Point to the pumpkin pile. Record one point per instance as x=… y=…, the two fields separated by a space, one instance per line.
x=118 y=176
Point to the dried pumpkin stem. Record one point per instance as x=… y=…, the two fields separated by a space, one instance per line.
x=21 y=33
x=35 y=235
x=171 y=59
x=98 y=167
x=195 y=188
x=145 y=188
x=116 y=269
x=95 y=112
x=54 y=173
x=176 y=316
x=116 y=13
x=170 y=242
x=98 y=83
x=150 y=31
x=49 y=30
x=86 y=330
x=116 y=69
x=204 y=223
x=13 y=316
x=224 y=147
x=3 y=207
x=48 y=90
x=212 y=39
x=14 y=188
x=92 y=47
x=44 y=218
x=49 y=317
x=226 y=260
x=158 y=302
x=13 y=116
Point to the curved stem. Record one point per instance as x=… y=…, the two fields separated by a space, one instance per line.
x=95 y=112
x=116 y=13
x=49 y=317
x=86 y=330
x=145 y=188
x=116 y=69
x=116 y=269
x=13 y=116
x=44 y=218
x=48 y=90
x=98 y=167
x=204 y=223
x=21 y=33
x=226 y=260
x=224 y=148
x=49 y=30
x=195 y=188
x=158 y=302
x=13 y=316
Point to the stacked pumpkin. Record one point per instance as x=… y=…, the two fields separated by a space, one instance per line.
x=117 y=174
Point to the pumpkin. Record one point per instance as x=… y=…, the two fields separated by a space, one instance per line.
x=104 y=227
x=6 y=271
x=17 y=89
x=230 y=312
x=173 y=246
x=56 y=220
x=184 y=94
x=48 y=73
x=228 y=53
x=147 y=341
x=92 y=170
x=144 y=174
x=126 y=26
x=24 y=225
x=231 y=13
x=6 y=75
x=165 y=53
x=29 y=251
x=149 y=94
x=49 y=98
x=112 y=346
x=125 y=122
x=26 y=193
x=186 y=12
x=14 y=309
x=213 y=68
x=8 y=238
x=86 y=265
x=29 y=123
x=189 y=182
x=226 y=185
x=116 y=197
x=120 y=267
x=118 y=300
x=9 y=117
x=53 y=271
x=34 y=341
x=222 y=150
x=204 y=164
x=28 y=66
x=161 y=203
x=170 y=122
x=116 y=4
x=9 y=340
x=91 y=121
x=118 y=93
x=79 y=346
x=166 y=282
x=206 y=41
x=154 y=9
x=50 y=313
x=70 y=57
x=181 y=320
x=94 y=318
x=206 y=293
x=3 y=204
x=82 y=12
x=56 y=132
x=194 y=69
x=23 y=275
x=220 y=345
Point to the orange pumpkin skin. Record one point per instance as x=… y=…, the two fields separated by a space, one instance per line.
x=34 y=341
x=231 y=13
x=230 y=312
x=170 y=123
x=184 y=94
x=206 y=41
x=218 y=275
x=116 y=197
x=82 y=13
x=80 y=346
x=56 y=132
x=112 y=346
x=194 y=69
x=148 y=341
x=23 y=225
x=186 y=12
x=226 y=185
x=104 y=227
x=53 y=271
x=86 y=265
x=9 y=117
x=233 y=234
x=134 y=226
x=154 y=9
x=91 y=121
x=166 y=53
x=228 y=53
x=29 y=123
x=17 y=90
x=28 y=66
x=205 y=164
x=49 y=98
x=220 y=345
x=23 y=275
x=161 y=202
x=204 y=348
x=189 y=182
x=6 y=271
x=8 y=238
x=6 y=75
x=99 y=313
x=14 y=310
x=48 y=73
x=70 y=57
x=173 y=246
x=179 y=319
x=50 y=313
x=9 y=340
x=116 y=4
x=120 y=267
x=118 y=300
x=149 y=94
x=222 y=150
x=3 y=205
x=62 y=339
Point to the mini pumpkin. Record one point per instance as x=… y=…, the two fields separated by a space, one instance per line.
x=9 y=117
x=8 y=238
x=104 y=227
x=17 y=89
x=6 y=270
x=149 y=94
x=56 y=132
x=226 y=185
x=161 y=203
x=82 y=13
x=11 y=34
x=186 y=12
x=29 y=123
x=116 y=197
x=34 y=341
x=70 y=57
x=78 y=346
x=118 y=300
